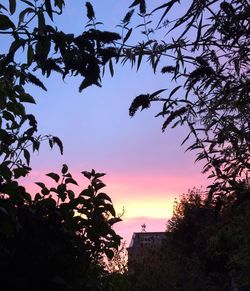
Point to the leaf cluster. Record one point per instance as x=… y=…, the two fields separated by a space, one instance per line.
x=206 y=52
x=203 y=240
x=57 y=238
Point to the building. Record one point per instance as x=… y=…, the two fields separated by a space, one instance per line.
x=146 y=261
x=144 y=249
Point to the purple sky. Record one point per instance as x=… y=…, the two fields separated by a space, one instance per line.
x=145 y=168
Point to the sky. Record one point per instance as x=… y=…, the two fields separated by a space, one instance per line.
x=146 y=169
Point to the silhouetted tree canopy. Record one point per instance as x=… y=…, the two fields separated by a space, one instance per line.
x=56 y=238
x=206 y=51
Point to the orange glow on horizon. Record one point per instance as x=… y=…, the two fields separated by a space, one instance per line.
x=157 y=208
x=151 y=196
x=145 y=199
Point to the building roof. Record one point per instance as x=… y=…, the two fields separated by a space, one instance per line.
x=146 y=238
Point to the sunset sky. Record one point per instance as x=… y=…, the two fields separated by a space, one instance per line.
x=145 y=168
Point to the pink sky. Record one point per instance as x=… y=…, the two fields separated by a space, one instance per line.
x=145 y=168
x=145 y=199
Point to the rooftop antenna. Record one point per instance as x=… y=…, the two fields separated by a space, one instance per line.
x=143 y=227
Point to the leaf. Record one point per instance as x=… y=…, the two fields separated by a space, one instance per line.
x=5 y=22
x=64 y=169
x=85 y=83
x=26 y=156
x=157 y=93
x=99 y=175
x=8 y=116
x=71 y=194
x=20 y=172
x=99 y=186
x=104 y=196
x=186 y=138
x=111 y=69
x=49 y=9
x=114 y=220
x=68 y=175
x=5 y=171
x=23 y=13
x=87 y=192
x=36 y=145
x=127 y=35
x=3 y=7
x=40 y=184
x=37 y=197
x=57 y=141
x=90 y=11
x=174 y=91
x=41 y=20
x=61 y=188
x=168 y=6
x=127 y=17
x=30 y=55
x=142 y=7
x=109 y=253
x=52 y=189
x=45 y=191
x=71 y=181
x=12 y=6
x=139 y=59
x=86 y=174
x=34 y=80
x=136 y=2
x=3 y=210
x=50 y=143
x=27 y=98
x=59 y=4
x=16 y=45
x=199 y=30
x=53 y=176
x=110 y=208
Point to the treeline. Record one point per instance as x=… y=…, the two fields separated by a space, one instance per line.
x=206 y=247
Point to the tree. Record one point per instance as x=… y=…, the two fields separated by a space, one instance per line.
x=57 y=239
x=52 y=240
x=118 y=264
x=116 y=277
x=206 y=50
x=209 y=56
x=203 y=251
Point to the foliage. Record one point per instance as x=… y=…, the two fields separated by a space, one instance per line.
x=116 y=277
x=206 y=50
x=55 y=239
x=209 y=57
x=119 y=262
x=204 y=240
x=47 y=49
x=206 y=247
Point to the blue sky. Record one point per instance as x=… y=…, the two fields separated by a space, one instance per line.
x=145 y=168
